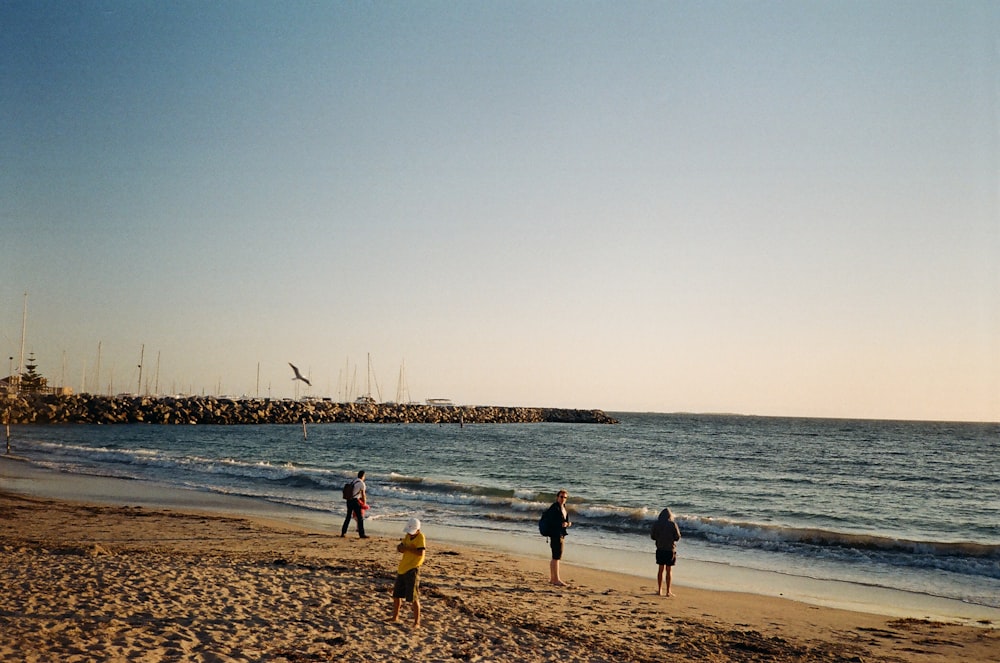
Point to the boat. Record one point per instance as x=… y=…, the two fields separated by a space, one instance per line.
x=440 y=402
x=367 y=399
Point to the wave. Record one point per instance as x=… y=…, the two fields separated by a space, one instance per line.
x=519 y=506
x=734 y=531
x=297 y=480
x=523 y=507
x=447 y=487
x=960 y=557
x=217 y=473
x=147 y=463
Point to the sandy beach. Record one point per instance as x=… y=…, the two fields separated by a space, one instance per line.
x=112 y=582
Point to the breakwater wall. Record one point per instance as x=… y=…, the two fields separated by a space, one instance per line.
x=91 y=409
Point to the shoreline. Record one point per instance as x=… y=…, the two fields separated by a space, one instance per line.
x=90 y=580
x=20 y=476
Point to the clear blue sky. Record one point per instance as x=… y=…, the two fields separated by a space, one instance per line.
x=785 y=208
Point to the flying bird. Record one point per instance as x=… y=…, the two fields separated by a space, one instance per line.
x=298 y=376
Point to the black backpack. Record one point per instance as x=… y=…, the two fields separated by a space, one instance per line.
x=349 y=490
x=545 y=524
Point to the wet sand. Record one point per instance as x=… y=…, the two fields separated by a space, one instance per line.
x=109 y=582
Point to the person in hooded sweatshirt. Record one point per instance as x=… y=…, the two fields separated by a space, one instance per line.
x=666 y=534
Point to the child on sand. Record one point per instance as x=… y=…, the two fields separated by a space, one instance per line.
x=408 y=574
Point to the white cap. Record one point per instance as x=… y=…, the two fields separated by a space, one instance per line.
x=412 y=527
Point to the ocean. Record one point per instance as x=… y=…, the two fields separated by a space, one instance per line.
x=904 y=506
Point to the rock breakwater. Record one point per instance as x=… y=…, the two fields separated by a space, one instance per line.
x=91 y=409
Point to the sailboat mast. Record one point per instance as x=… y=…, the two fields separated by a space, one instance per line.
x=142 y=351
x=97 y=380
x=399 y=385
x=24 y=326
x=402 y=389
x=156 y=381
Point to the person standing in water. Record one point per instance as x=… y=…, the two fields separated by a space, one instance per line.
x=666 y=534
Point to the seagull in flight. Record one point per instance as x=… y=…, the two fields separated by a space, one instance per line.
x=298 y=376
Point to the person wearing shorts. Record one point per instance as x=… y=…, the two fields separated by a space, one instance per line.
x=666 y=534
x=559 y=519
x=407 y=586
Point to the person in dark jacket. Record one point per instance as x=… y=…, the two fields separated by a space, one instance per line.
x=558 y=521
x=666 y=534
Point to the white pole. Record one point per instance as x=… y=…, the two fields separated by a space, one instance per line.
x=97 y=380
x=24 y=326
x=142 y=351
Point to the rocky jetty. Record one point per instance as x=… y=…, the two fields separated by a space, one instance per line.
x=90 y=409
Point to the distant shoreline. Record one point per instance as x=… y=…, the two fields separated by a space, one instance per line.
x=192 y=410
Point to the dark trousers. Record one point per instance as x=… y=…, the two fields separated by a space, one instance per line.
x=354 y=508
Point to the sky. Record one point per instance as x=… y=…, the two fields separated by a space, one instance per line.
x=768 y=208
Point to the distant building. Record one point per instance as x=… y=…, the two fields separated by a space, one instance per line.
x=9 y=385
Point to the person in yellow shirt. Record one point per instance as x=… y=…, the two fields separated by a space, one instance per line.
x=407 y=585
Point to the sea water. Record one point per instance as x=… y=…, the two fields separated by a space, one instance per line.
x=885 y=505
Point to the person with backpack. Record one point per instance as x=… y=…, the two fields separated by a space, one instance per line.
x=553 y=524
x=354 y=493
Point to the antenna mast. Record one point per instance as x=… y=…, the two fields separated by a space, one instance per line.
x=24 y=326
x=97 y=380
x=142 y=351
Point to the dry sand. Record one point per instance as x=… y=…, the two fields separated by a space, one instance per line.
x=89 y=582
